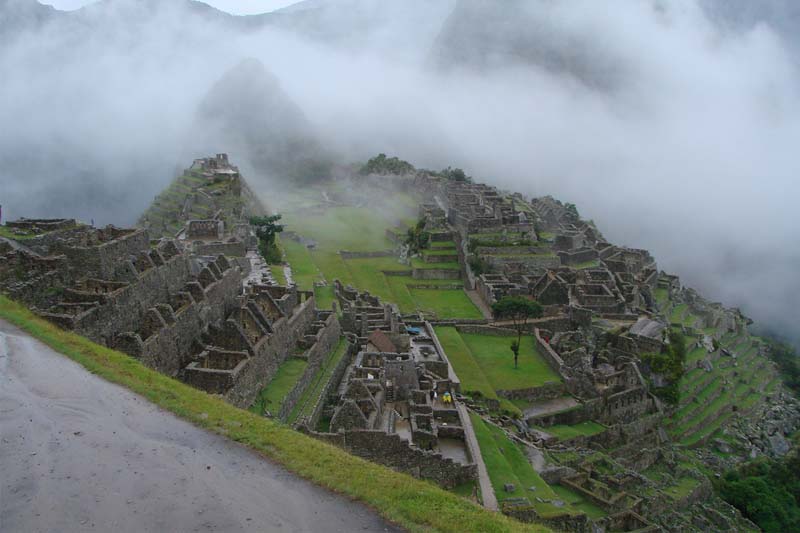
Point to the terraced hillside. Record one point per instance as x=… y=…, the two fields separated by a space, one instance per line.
x=724 y=382
x=198 y=195
x=332 y=233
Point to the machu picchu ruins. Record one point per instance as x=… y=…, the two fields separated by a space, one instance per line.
x=377 y=334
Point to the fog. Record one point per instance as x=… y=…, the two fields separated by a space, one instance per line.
x=673 y=131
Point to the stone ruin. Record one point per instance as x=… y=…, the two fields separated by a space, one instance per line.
x=390 y=407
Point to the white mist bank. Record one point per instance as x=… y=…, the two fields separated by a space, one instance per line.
x=690 y=153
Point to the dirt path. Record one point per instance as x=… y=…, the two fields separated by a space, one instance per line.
x=80 y=454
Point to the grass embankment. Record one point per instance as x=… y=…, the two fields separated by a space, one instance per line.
x=506 y=463
x=271 y=397
x=411 y=503
x=307 y=401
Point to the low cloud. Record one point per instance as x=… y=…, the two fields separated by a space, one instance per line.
x=684 y=146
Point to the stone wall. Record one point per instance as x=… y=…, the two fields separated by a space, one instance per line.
x=231 y=249
x=169 y=348
x=548 y=391
x=547 y=352
x=125 y=308
x=435 y=273
x=483 y=329
x=270 y=352
x=345 y=254
x=105 y=259
x=331 y=387
x=393 y=451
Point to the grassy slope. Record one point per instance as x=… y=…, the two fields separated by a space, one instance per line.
x=271 y=397
x=506 y=463
x=413 y=504
x=307 y=401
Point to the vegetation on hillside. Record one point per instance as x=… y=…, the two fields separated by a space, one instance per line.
x=267 y=228
x=670 y=366
x=767 y=491
x=417 y=238
x=380 y=164
x=788 y=363
x=454 y=174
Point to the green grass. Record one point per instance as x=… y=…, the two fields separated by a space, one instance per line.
x=271 y=397
x=307 y=401
x=577 y=501
x=11 y=233
x=485 y=364
x=304 y=271
x=413 y=504
x=493 y=355
x=278 y=275
x=683 y=488
x=471 y=375
x=662 y=296
x=677 y=313
x=445 y=303
x=357 y=229
x=506 y=463
x=594 y=263
x=582 y=429
x=324 y=297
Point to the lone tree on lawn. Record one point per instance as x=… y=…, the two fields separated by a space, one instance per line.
x=517 y=309
x=267 y=228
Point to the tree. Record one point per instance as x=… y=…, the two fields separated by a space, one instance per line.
x=455 y=174
x=515 y=351
x=417 y=238
x=267 y=228
x=517 y=309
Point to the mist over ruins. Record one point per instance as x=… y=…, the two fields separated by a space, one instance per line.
x=395 y=266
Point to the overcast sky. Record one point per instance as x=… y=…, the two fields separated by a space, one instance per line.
x=236 y=7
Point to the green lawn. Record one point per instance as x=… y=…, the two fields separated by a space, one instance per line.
x=445 y=303
x=413 y=504
x=469 y=372
x=304 y=271
x=357 y=229
x=271 y=397
x=324 y=297
x=493 y=355
x=485 y=363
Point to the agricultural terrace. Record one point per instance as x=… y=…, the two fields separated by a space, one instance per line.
x=328 y=227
